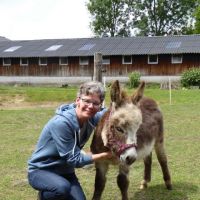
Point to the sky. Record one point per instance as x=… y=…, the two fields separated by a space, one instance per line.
x=44 y=19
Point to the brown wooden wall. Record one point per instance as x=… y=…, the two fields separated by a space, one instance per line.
x=116 y=68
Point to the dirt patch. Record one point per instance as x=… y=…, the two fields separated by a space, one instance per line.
x=18 y=102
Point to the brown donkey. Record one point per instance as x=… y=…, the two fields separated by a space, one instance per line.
x=130 y=128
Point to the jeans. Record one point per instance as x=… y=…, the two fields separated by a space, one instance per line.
x=56 y=187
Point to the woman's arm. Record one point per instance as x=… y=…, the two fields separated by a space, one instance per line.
x=102 y=156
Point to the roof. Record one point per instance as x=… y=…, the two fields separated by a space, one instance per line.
x=107 y=46
x=3 y=38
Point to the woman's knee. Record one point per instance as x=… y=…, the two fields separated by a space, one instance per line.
x=63 y=190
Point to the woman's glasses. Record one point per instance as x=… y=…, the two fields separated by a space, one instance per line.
x=89 y=102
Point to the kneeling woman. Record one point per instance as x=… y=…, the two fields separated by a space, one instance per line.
x=51 y=169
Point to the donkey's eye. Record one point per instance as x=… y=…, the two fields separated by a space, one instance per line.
x=119 y=129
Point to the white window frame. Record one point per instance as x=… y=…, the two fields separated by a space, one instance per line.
x=106 y=60
x=83 y=60
x=123 y=59
x=41 y=61
x=177 y=59
x=151 y=62
x=23 y=64
x=6 y=63
x=61 y=61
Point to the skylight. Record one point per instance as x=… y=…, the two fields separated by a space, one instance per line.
x=87 y=47
x=11 y=49
x=173 y=45
x=54 y=47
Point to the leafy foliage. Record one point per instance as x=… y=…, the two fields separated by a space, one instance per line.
x=110 y=17
x=164 y=17
x=191 y=77
x=134 y=79
x=142 y=17
x=197 y=19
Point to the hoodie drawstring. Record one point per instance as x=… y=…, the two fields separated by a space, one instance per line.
x=74 y=143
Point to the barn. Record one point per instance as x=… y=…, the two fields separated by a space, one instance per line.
x=151 y=56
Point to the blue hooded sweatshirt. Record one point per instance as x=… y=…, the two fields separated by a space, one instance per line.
x=59 y=147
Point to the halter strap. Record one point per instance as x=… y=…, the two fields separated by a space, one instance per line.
x=119 y=147
x=124 y=147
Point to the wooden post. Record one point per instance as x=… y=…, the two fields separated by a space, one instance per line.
x=98 y=67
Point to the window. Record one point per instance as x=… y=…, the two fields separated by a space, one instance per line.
x=176 y=59
x=106 y=60
x=83 y=61
x=24 y=61
x=152 y=59
x=6 y=61
x=43 y=61
x=127 y=60
x=63 y=60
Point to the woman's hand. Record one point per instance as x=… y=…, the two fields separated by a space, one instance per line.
x=102 y=156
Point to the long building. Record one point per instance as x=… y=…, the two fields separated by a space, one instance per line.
x=159 y=55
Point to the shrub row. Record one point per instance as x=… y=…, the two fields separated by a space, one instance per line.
x=190 y=78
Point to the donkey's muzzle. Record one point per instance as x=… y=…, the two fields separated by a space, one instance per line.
x=129 y=156
x=130 y=160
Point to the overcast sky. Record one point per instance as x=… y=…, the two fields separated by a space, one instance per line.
x=44 y=19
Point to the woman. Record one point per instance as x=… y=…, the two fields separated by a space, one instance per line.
x=58 y=151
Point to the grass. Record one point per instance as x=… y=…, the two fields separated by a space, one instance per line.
x=38 y=94
x=20 y=128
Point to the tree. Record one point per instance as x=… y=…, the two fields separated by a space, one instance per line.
x=142 y=17
x=164 y=17
x=110 y=17
x=197 y=19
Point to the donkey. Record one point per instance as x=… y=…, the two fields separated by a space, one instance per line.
x=130 y=129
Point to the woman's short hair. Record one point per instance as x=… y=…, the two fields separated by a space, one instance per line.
x=92 y=87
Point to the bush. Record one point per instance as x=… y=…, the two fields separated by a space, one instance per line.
x=134 y=79
x=190 y=78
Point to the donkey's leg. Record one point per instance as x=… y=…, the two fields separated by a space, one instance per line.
x=162 y=158
x=100 y=180
x=147 y=171
x=123 y=181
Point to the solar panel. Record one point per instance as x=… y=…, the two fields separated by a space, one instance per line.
x=54 y=47
x=87 y=47
x=173 y=45
x=11 y=49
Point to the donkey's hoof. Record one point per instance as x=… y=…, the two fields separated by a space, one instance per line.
x=143 y=185
x=168 y=185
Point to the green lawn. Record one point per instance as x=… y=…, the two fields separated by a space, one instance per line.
x=20 y=128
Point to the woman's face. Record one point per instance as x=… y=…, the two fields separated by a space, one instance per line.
x=87 y=106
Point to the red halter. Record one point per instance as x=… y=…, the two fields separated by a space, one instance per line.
x=119 y=147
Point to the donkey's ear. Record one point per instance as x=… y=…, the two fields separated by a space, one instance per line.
x=115 y=92
x=139 y=93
